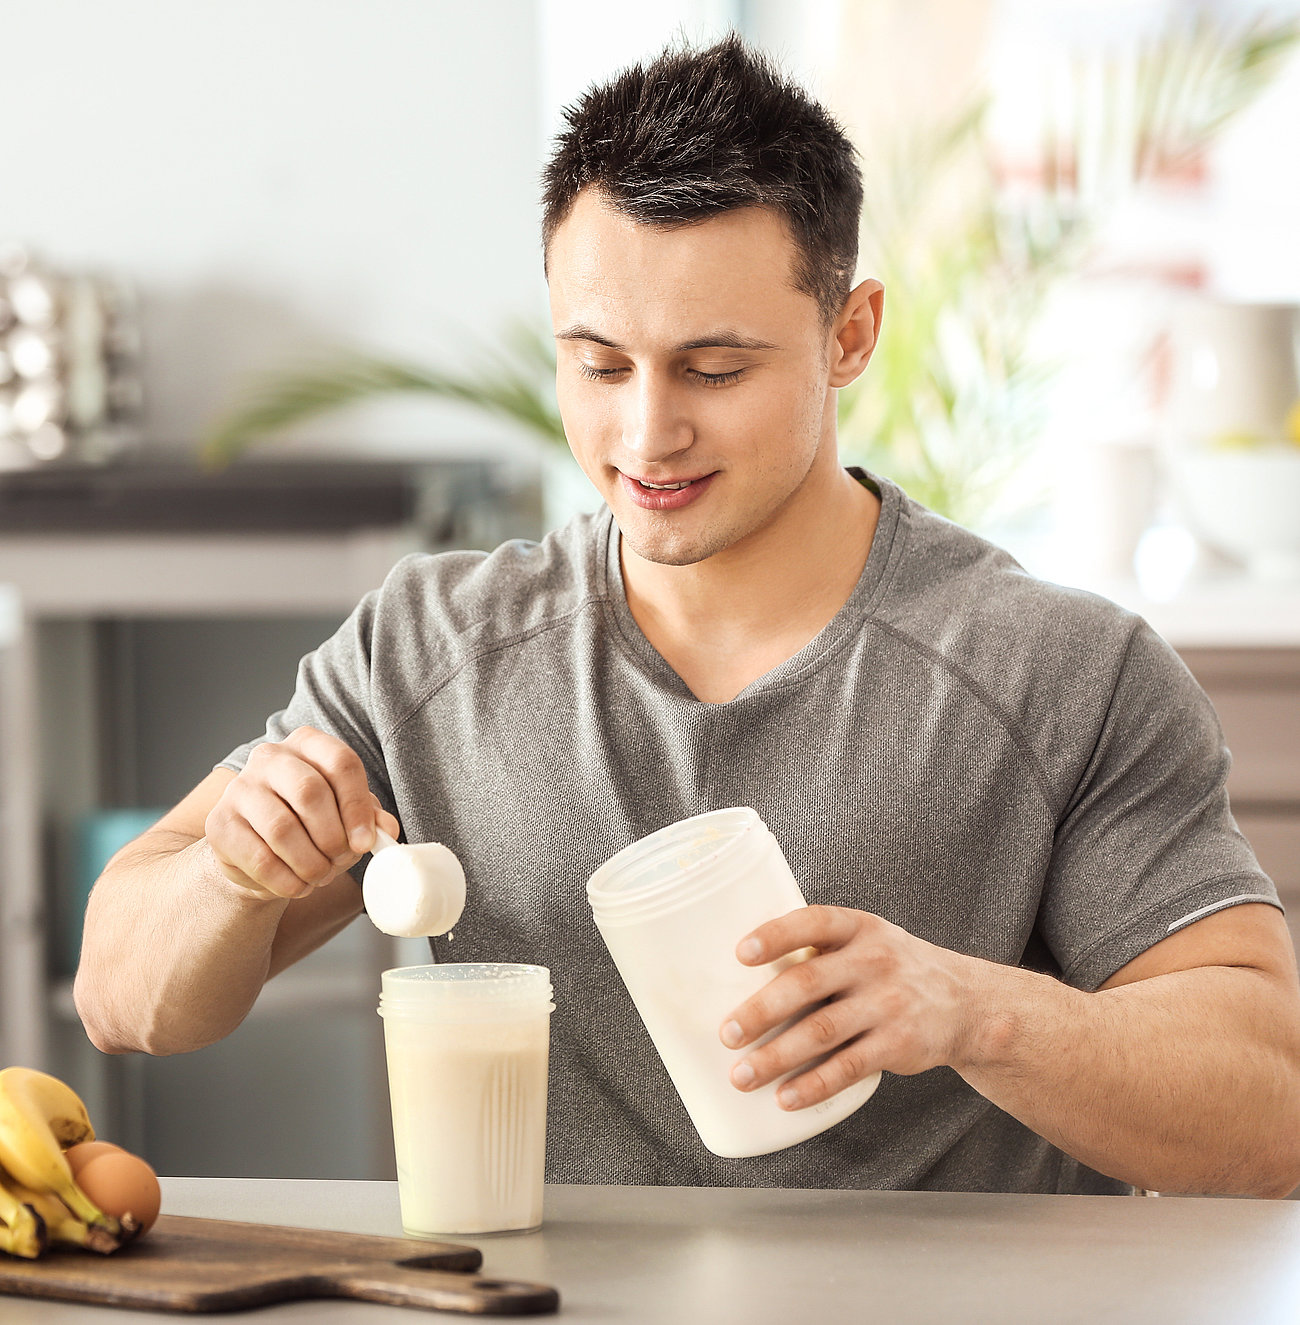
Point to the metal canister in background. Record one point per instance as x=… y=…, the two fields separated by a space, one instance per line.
x=69 y=364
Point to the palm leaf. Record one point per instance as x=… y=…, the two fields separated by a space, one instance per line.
x=515 y=382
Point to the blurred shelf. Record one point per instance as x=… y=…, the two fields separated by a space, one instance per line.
x=1222 y=612
x=1195 y=599
x=168 y=539
x=98 y=575
x=172 y=497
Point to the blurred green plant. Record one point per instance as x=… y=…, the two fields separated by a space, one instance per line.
x=956 y=396
x=956 y=399
x=514 y=380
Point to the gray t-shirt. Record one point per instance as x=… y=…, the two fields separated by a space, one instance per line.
x=1005 y=767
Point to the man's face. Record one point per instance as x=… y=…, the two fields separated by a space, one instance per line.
x=686 y=356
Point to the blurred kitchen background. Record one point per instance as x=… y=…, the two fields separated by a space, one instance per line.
x=272 y=314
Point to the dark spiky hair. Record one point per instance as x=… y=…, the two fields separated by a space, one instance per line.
x=697 y=133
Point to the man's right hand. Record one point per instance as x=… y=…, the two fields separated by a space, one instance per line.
x=299 y=814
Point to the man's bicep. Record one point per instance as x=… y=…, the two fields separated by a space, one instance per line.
x=1251 y=934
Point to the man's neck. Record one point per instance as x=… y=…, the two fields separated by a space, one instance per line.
x=730 y=619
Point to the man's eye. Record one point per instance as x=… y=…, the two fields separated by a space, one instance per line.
x=716 y=379
x=596 y=374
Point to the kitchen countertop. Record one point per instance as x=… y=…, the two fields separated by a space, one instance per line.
x=164 y=539
x=1217 y=612
x=1194 y=600
x=640 y=1255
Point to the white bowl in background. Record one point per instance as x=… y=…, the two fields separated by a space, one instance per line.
x=1245 y=504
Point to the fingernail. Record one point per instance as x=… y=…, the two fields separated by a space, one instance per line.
x=359 y=839
x=787 y=1097
x=742 y=1075
x=749 y=950
x=732 y=1035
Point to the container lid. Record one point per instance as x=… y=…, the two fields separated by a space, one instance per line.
x=465 y=991
x=684 y=859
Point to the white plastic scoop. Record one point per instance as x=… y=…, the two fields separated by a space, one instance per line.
x=413 y=891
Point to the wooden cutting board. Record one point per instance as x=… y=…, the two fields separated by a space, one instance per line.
x=186 y=1264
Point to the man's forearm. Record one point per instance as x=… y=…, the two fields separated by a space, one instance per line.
x=1187 y=1082
x=174 y=956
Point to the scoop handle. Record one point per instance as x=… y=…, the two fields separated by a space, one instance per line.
x=382 y=840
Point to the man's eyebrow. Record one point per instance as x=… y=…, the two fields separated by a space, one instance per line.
x=714 y=340
x=725 y=340
x=579 y=332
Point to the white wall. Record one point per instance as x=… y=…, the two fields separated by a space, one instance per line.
x=580 y=45
x=278 y=175
x=1253 y=253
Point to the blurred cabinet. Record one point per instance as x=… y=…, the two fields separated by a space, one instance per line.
x=134 y=711
x=147 y=626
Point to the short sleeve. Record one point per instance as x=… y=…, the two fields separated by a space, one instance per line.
x=1147 y=843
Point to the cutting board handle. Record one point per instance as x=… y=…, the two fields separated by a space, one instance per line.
x=441 y=1290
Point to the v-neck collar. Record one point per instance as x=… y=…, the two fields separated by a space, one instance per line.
x=837 y=631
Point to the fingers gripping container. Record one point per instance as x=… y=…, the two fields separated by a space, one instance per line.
x=671 y=909
x=467 y=1047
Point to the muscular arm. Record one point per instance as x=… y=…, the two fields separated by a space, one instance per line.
x=189 y=921
x=1181 y=1074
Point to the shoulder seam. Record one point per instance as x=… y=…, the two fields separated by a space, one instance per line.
x=986 y=699
x=495 y=647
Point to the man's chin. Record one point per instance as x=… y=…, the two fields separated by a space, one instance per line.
x=666 y=548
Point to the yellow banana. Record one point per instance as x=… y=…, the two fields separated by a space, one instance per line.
x=22 y=1230
x=62 y=1227
x=40 y=1116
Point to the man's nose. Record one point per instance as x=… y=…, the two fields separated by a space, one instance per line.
x=655 y=425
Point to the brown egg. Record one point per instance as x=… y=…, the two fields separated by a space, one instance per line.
x=121 y=1184
x=80 y=1155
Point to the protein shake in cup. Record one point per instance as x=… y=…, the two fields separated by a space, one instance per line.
x=467 y=1047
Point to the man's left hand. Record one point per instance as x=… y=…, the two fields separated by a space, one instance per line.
x=880 y=999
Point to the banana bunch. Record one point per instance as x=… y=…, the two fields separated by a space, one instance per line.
x=22 y=1228
x=40 y=1202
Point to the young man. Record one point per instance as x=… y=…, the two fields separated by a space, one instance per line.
x=1004 y=800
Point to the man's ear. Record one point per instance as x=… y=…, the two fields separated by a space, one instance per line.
x=856 y=331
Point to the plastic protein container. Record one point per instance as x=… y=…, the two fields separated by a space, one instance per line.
x=671 y=909
x=467 y=1047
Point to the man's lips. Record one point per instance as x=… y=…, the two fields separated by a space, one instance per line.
x=672 y=495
